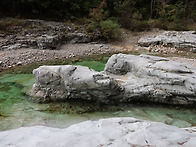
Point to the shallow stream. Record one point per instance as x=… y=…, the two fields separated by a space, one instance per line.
x=16 y=110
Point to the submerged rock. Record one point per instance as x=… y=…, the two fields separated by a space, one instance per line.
x=126 y=78
x=124 y=132
x=182 y=40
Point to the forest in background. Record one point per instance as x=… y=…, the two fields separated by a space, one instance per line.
x=135 y=15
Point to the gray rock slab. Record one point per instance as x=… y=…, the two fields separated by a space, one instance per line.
x=183 y=40
x=113 y=132
x=154 y=79
x=126 y=78
x=65 y=82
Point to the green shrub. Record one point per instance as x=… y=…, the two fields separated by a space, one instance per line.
x=110 y=29
x=141 y=26
x=82 y=21
x=134 y=22
x=6 y=25
x=92 y=26
x=161 y=24
x=177 y=27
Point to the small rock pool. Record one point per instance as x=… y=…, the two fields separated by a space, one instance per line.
x=16 y=109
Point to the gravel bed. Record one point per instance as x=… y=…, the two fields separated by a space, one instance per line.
x=24 y=56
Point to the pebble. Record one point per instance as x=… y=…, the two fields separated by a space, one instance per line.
x=19 y=63
x=193 y=50
x=161 y=49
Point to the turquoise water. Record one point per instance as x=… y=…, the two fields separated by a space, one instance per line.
x=16 y=110
x=96 y=65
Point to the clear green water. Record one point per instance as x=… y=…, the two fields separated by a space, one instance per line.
x=17 y=111
x=96 y=65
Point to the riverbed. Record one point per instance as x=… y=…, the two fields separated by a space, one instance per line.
x=17 y=109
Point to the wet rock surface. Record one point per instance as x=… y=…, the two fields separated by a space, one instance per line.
x=126 y=78
x=170 y=41
x=124 y=132
x=44 y=35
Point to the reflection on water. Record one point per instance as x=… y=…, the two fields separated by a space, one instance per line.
x=17 y=111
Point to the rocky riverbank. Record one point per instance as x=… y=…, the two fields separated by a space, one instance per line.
x=40 y=34
x=170 y=41
x=25 y=56
x=24 y=42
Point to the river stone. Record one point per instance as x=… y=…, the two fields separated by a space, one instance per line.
x=183 y=40
x=68 y=81
x=126 y=78
x=114 y=132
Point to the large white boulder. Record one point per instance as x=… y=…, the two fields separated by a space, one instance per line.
x=114 y=132
x=126 y=78
x=151 y=78
x=55 y=83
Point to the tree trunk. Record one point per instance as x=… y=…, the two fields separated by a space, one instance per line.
x=151 y=8
x=185 y=8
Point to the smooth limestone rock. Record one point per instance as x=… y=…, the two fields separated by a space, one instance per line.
x=155 y=79
x=65 y=82
x=183 y=40
x=113 y=132
x=126 y=78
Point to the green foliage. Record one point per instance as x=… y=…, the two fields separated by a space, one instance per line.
x=177 y=27
x=158 y=24
x=92 y=26
x=168 y=25
x=47 y=9
x=193 y=15
x=11 y=25
x=110 y=29
x=171 y=13
x=136 y=15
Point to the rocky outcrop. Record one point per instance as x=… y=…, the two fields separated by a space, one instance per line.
x=181 y=40
x=44 y=35
x=55 y=83
x=126 y=78
x=155 y=79
x=124 y=132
